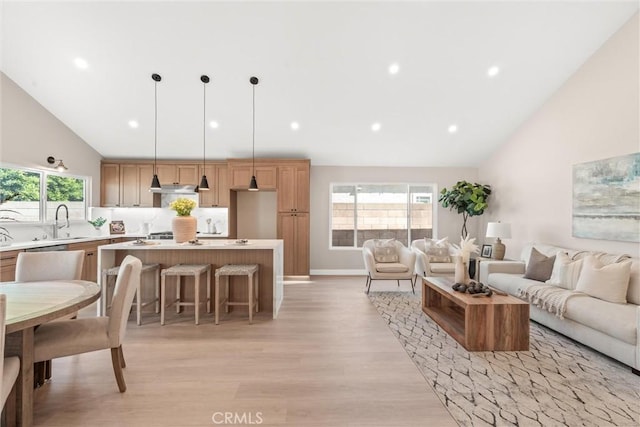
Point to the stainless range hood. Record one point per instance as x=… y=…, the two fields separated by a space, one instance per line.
x=176 y=189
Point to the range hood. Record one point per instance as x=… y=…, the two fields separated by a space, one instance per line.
x=176 y=189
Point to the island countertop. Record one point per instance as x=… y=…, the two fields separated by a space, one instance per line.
x=267 y=253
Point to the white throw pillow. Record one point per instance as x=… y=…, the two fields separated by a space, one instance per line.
x=606 y=282
x=384 y=250
x=565 y=272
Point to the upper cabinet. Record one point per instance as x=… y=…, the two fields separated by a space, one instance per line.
x=241 y=170
x=135 y=180
x=293 y=187
x=110 y=185
x=217 y=176
x=186 y=174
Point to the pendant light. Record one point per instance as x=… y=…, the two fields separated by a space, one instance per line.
x=155 y=182
x=204 y=184
x=253 y=185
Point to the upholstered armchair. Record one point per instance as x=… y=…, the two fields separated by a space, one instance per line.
x=433 y=258
x=388 y=260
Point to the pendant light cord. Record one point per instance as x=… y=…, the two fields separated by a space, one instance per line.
x=155 y=132
x=204 y=126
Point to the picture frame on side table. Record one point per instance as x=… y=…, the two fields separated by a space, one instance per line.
x=486 y=251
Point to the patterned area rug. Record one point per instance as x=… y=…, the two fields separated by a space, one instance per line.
x=557 y=383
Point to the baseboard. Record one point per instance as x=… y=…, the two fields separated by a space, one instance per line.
x=338 y=272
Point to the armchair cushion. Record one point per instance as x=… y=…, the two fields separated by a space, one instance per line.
x=384 y=250
x=391 y=267
x=438 y=254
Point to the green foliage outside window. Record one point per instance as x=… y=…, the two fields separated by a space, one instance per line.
x=64 y=189
x=24 y=185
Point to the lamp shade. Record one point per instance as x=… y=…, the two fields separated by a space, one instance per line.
x=499 y=230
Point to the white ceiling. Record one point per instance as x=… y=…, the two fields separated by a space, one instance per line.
x=321 y=64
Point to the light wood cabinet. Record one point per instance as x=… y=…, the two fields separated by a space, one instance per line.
x=8 y=265
x=134 y=185
x=178 y=174
x=110 y=185
x=167 y=174
x=218 y=195
x=293 y=229
x=90 y=265
x=240 y=175
x=293 y=187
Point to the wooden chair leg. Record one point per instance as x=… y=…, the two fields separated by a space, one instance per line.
x=117 y=368
x=123 y=364
x=10 y=408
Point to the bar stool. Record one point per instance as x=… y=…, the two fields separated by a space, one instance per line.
x=178 y=271
x=146 y=268
x=249 y=270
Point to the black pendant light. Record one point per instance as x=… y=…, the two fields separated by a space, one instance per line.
x=204 y=184
x=155 y=182
x=253 y=185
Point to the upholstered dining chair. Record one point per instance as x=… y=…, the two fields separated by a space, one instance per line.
x=76 y=336
x=388 y=260
x=9 y=370
x=48 y=265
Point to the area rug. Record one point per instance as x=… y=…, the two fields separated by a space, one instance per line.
x=559 y=382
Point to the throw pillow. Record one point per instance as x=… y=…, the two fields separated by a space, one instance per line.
x=438 y=254
x=565 y=272
x=606 y=282
x=539 y=266
x=384 y=250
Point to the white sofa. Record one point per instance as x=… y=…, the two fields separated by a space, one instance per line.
x=424 y=266
x=611 y=328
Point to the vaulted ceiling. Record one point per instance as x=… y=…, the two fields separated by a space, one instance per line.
x=327 y=66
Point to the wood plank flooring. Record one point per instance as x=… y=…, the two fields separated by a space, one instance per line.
x=328 y=360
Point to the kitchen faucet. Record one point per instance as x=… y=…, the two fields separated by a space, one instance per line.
x=55 y=224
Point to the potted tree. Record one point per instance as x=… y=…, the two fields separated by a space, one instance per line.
x=467 y=199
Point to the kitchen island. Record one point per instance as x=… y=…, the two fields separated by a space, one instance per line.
x=268 y=254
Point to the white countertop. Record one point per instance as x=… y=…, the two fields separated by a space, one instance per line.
x=202 y=244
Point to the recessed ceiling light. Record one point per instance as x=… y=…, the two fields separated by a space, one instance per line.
x=376 y=127
x=394 y=68
x=295 y=125
x=133 y=124
x=213 y=124
x=81 y=63
x=493 y=71
x=453 y=129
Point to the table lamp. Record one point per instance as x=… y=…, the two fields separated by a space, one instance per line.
x=498 y=230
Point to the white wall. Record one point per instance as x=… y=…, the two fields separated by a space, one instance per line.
x=29 y=134
x=594 y=115
x=446 y=223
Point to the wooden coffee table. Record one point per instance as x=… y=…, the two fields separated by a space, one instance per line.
x=478 y=323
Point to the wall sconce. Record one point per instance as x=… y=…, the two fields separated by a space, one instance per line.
x=60 y=166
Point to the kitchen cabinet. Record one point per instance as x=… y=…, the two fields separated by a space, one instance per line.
x=135 y=180
x=293 y=229
x=240 y=174
x=110 y=185
x=90 y=265
x=293 y=187
x=218 y=195
x=8 y=265
x=186 y=174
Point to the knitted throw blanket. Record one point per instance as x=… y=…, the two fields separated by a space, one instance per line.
x=551 y=298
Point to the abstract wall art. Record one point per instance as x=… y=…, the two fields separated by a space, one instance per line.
x=606 y=199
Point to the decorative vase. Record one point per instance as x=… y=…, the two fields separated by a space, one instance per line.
x=184 y=228
x=461 y=274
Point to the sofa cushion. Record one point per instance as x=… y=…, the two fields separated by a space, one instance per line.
x=442 y=268
x=438 y=254
x=509 y=283
x=565 y=271
x=607 y=282
x=539 y=266
x=391 y=267
x=384 y=250
x=616 y=320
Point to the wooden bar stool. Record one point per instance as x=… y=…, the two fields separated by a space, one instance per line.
x=113 y=272
x=178 y=271
x=249 y=270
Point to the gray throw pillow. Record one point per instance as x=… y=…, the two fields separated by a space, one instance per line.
x=539 y=266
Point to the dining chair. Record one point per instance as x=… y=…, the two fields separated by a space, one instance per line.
x=76 y=336
x=9 y=371
x=48 y=265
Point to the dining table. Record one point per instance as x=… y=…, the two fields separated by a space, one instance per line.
x=30 y=304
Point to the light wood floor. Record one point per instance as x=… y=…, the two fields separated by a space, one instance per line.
x=328 y=360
